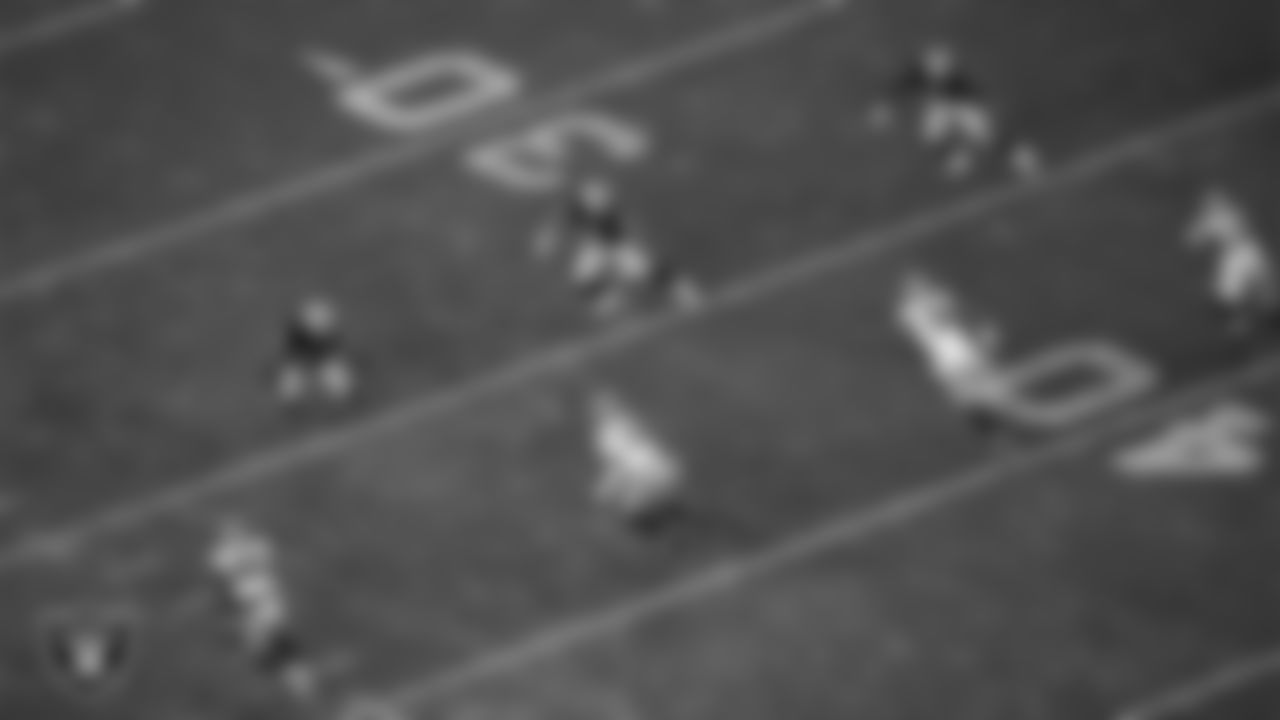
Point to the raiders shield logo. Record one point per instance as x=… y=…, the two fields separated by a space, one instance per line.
x=88 y=652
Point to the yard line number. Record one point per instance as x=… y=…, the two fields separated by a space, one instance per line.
x=544 y=157
x=1225 y=441
x=421 y=93
x=438 y=89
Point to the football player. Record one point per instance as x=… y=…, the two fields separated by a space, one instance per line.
x=640 y=479
x=959 y=353
x=1242 y=282
x=608 y=261
x=315 y=363
x=245 y=564
x=953 y=114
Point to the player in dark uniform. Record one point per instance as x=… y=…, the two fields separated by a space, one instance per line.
x=89 y=651
x=609 y=262
x=952 y=113
x=315 y=363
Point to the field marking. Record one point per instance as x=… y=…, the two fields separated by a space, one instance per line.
x=58 y=26
x=858 y=249
x=1205 y=688
x=335 y=176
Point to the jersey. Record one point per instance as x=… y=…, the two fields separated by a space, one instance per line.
x=957 y=353
x=246 y=563
x=637 y=469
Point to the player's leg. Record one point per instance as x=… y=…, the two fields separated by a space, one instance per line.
x=593 y=277
x=274 y=646
x=994 y=422
x=966 y=130
x=294 y=382
x=935 y=121
x=1254 y=302
x=646 y=501
x=609 y=298
x=630 y=275
x=982 y=398
x=335 y=378
x=657 y=517
x=279 y=653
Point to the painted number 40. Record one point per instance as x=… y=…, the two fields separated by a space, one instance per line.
x=1223 y=441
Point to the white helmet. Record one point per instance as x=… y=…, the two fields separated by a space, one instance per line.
x=938 y=58
x=318 y=312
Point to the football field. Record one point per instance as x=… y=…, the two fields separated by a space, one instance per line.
x=176 y=173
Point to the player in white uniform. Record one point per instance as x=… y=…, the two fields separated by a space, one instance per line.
x=640 y=479
x=608 y=260
x=953 y=114
x=245 y=563
x=959 y=353
x=1243 y=281
x=315 y=363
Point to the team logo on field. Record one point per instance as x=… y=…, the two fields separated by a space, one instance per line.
x=1223 y=441
x=88 y=652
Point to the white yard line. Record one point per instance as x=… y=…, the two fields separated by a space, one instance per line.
x=1202 y=690
x=336 y=176
x=271 y=465
x=61 y=25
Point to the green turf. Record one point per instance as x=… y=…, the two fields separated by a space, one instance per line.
x=463 y=528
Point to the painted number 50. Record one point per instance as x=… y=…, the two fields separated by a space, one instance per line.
x=542 y=158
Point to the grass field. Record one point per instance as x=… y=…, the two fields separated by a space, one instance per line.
x=176 y=173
